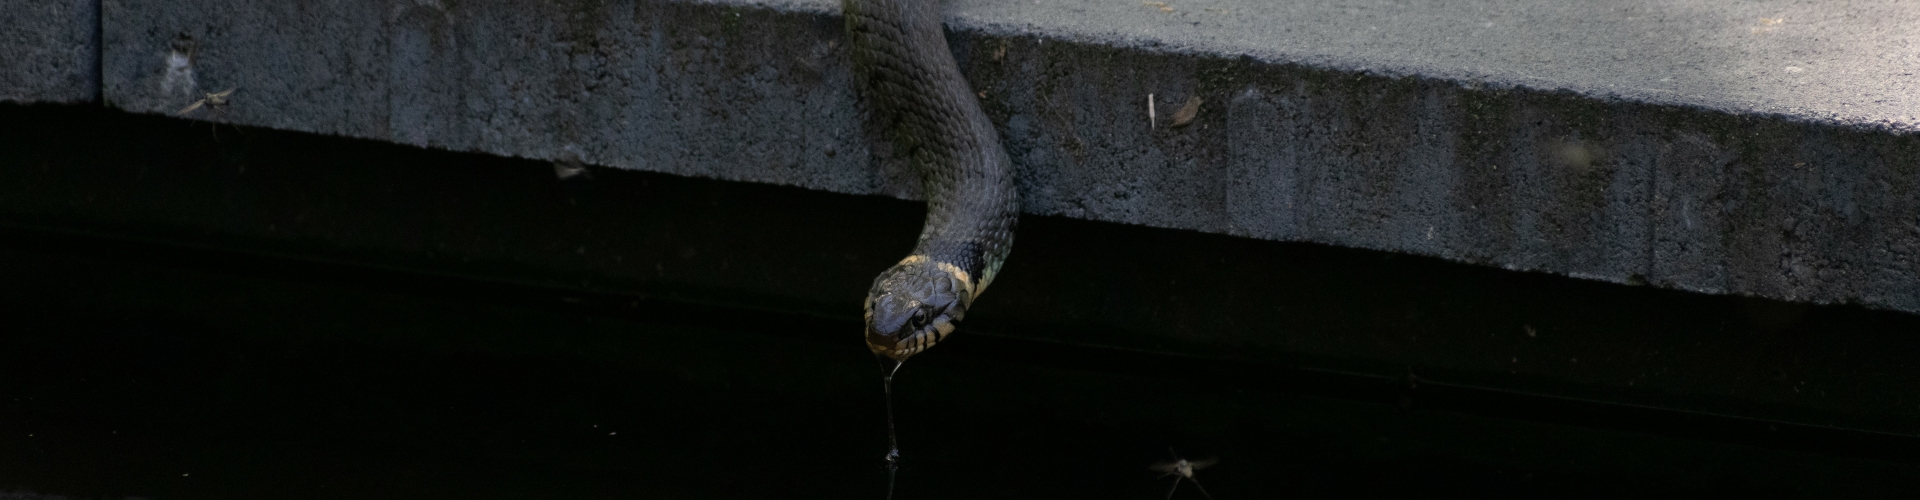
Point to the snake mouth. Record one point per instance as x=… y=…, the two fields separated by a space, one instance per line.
x=901 y=347
x=888 y=347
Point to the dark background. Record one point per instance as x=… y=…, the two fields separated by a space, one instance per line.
x=198 y=312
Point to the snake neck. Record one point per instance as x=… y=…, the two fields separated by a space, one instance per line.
x=917 y=98
x=925 y=107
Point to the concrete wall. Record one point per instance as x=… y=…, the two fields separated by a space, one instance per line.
x=52 y=50
x=1766 y=148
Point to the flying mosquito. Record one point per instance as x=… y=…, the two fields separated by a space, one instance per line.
x=570 y=168
x=1181 y=468
x=214 y=100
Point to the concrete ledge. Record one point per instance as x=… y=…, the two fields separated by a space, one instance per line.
x=1765 y=148
x=52 y=50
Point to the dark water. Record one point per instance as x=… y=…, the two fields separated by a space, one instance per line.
x=129 y=369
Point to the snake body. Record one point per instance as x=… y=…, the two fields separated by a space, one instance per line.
x=918 y=99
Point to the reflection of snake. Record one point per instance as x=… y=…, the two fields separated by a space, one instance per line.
x=919 y=100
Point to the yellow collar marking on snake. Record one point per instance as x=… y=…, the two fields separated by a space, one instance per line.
x=966 y=279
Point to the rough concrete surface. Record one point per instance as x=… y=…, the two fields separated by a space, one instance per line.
x=1765 y=148
x=52 y=50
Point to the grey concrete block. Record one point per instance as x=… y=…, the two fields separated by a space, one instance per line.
x=695 y=89
x=52 y=50
x=1765 y=148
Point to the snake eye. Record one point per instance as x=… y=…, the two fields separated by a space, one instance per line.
x=919 y=319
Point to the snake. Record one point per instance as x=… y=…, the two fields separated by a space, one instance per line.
x=919 y=101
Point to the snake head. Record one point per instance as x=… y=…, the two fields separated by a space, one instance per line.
x=914 y=305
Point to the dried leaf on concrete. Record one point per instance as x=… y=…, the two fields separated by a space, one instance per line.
x=1187 y=113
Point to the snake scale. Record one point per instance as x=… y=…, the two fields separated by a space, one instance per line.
x=917 y=98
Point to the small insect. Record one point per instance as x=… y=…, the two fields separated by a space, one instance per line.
x=1180 y=469
x=211 y=102
x=214 y=100
x=570 y=168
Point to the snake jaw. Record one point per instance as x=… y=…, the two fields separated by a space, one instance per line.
x=912 y=306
